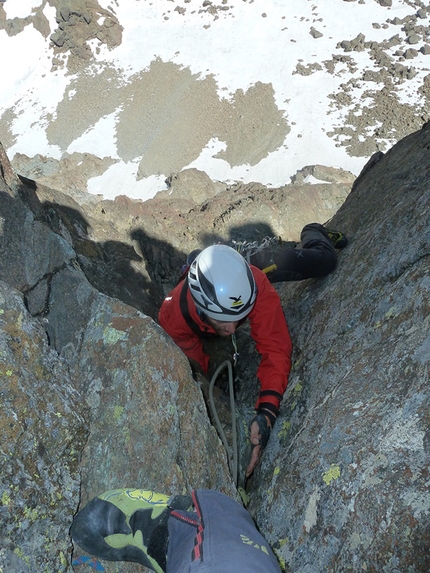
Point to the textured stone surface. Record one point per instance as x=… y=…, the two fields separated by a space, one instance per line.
x=79 y=22
x=145 y=408
x=29 y=250
x=100 y=247
x=344 y=482
x=83 y=364
x=44 y=426
x=192 y=184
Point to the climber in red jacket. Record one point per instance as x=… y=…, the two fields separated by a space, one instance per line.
x=221 y=290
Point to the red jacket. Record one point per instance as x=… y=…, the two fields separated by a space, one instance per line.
x=268 y=328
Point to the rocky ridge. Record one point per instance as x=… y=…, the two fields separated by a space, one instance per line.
x=353 y=431
x=134 y=250
x=344 y=480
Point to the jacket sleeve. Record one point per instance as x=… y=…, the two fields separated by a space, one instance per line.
x=171 y=320
x=270 y=331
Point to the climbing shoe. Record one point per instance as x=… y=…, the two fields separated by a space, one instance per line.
x=128 y=525
x=337 y=238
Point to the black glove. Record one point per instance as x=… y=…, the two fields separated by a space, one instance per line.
x=264 y=428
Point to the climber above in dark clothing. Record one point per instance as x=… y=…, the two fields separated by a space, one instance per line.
x=222 y=289
x=284 y=260
x=207 y=532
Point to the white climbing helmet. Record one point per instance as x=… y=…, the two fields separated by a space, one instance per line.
x=222 y=284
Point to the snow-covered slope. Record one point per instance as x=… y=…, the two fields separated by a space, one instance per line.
x=246 y=90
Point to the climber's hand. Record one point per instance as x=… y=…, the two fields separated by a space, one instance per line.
x=260 y=429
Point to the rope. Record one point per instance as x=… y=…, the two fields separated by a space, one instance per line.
x=232 y=462
x=248 y=249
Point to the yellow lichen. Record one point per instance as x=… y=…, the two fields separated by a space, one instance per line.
x=126 y=434
x=392 y=313
x=31 y=514
x=112 y=336
x=118 y=412
x=297 y=388
x=282 y=563
x=63 y=559
x=284 y=429
x=332 y=473
x=20 y=553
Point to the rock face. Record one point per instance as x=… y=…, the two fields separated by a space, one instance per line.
x=80 y=22
x=95 y=393
x=42 y=439
x=344 y=482
x=41 y=443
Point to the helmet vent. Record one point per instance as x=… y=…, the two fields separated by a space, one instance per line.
x=208 y=288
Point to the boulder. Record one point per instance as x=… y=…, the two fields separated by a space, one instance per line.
x=150 y=427
x=192 y=184
x=323 y=174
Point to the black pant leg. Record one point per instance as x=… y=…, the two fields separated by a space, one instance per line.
x=317 y=257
